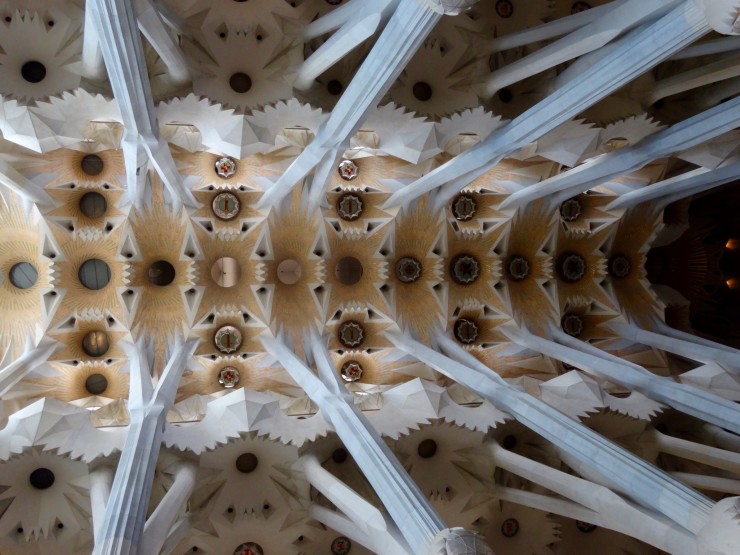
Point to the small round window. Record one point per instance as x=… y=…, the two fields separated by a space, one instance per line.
x=93 y=205
x=92 y=165
x=94 y=274
x=23 y=275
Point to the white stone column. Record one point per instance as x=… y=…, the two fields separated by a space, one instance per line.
x=678 y=187
x=415 y=517
x=708 y=483
x=153 y=28
x=100 y=483
x=611 y=510
x=24 y=187
x=700 y=353
x=366 y=524
x=704 y=454
x=594 y=34
x=353 y=23
x=551 y=29
x=681 y=136
x=118 y=33
x=122 y=528
x=593 y=456
x=32 y=357
x=722 y=69
x=592 y=360
x=722 y=438
x=161 y=521
x=93 y=67
x=630 y=57
x=401 y=38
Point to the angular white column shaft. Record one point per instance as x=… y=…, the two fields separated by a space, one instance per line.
x=153 y=28
x=410 y=509
x=694 y=351
x=725 y=68
x=684 y=135
x=592 y=360
x=120 y=43
x=595 y=34
x=24 y=364
x=595 y=457
x=93 y=67
x=402 y=36
x=707 y=48
x=711 y=456
x=100 y=483
x=356 y=21
x=639 y=51
x=370 y=527
x=678 y=187
x=723 y=438
x=613 y=511
x=125 y=514
x=708 y=483
x=24 y=187
x=551 y=29
x=159 y=524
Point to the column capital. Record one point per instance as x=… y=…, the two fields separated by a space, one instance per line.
x=459 y=541
x=722 y=15
x=450 y=7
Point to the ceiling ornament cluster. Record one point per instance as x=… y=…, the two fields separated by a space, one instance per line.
x=104 y=285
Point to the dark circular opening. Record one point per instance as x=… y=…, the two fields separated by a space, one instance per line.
x=619 y=266
x=466 y=331
x=33 y=71
x=518 y=268
x=427 y=448
x=505 y=95
x=422 y=91
x=240 y=82
x=464 y=269
x=510 y=527
x=348 y=270
x=95 y=343
x=93 y=205
x=246 y=463
x=572 y=324
x=578 y=7
x=334 y=87
x=570 y=210
x=94 y=274
x=504 y=8
x=42 y=478
x=349 y=207
x=463 y=207
x=23 y=275
x=408 y=269
x=509 y=442
x=92 y=164
x=571 y=267
x=161 y=273
x=96 y=384
x=351 y=334
x=339 y=455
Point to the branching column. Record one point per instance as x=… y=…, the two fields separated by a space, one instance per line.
x=122 y=528
x=403 y=35
x=24 y=364
x=117 y=30
x=691 y=400
x=694 y=351
x=590 y=454
x=687 y=134
x=678 y=187
x=410 y=509
x=609 y=509
x=634 y=54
